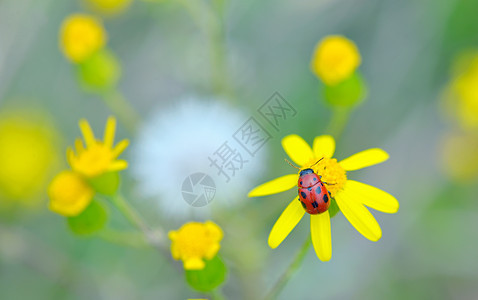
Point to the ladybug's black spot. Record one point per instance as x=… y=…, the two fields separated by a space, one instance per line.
x=301 y=183
x=310 y=189
x=315 y=179
x=303 y=205
x=326 y=198
x=318 y=190
x=304 y=195
x=315 y=204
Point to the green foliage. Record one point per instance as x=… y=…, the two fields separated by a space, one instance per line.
x=92 y=219
x=209 y=278
x=333 y=208
x=106 y=184
x=347 y=93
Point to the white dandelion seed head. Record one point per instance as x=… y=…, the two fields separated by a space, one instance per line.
x=177 y=142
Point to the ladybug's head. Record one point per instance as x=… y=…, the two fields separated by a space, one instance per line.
x=308 y=178
x=306 y=171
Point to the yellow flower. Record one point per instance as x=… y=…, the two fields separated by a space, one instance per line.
x=81 y=36
x=335 y=59
x=194 y=242
x=69 y=194
x=351 y=196
x=27 y=154
x=459 y=153
x=108 y=6
x=98 y=157
x=463 y=91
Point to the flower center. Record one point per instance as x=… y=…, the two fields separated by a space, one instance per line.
x=196 y=240
x=94 y=160
x=333 y=175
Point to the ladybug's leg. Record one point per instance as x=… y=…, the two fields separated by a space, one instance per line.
x=328 y=183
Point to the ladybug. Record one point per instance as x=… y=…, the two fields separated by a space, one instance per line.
x=313 y=195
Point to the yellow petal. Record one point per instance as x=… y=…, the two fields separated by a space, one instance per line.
x=194 y=263
x=286 y=222
x=297 y=149
x=119 y=148
x=358 y=216
x=172 y=234
x=79 y=146
x=364 y=159
x=372 y=197
x=87 y=133
x=109 y=134
x=70 y=156
x=320 y=232
x=324 y=146
x=212 y=250
x=275 y=186
x=214 y=231
x=118 y=165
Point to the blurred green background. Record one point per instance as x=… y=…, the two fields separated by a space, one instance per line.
x=408 y=48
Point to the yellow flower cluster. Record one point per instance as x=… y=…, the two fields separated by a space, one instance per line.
x=81 y=36
x=28 y=153
x=69 y=192
x=83 y=42
x=335 y=59
x=460 y=146
x=194 y=242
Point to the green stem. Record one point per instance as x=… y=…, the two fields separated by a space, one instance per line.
x=209 y=18
x=293 y=267
x=125 y=238
x=217 y=294
x=340 y=117
x=119 y=106
x=155 y=239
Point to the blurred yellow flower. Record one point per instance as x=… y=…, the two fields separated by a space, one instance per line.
x=108 y=6
x=27 y=153
x=194 y=242
x=335 y=59
x=460 y=156
x=462 y=100
x=80 y=36
x=99 y=156
x=351 y=196
x=69 y=194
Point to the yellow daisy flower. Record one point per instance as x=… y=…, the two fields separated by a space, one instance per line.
x=28 y=155
x=462 y=100
x=80 y=36
x=335 y=59
x=194 y=242
x=109 y=7
x=69 y=194
x=351 y=196
x=99 y=156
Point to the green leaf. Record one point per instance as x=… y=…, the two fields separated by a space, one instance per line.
x=333 y=208
x=106 y=184
x=209 y=278
x=347 y=93
x=92 y=219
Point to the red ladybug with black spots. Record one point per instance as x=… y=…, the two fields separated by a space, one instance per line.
x=313 y=195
